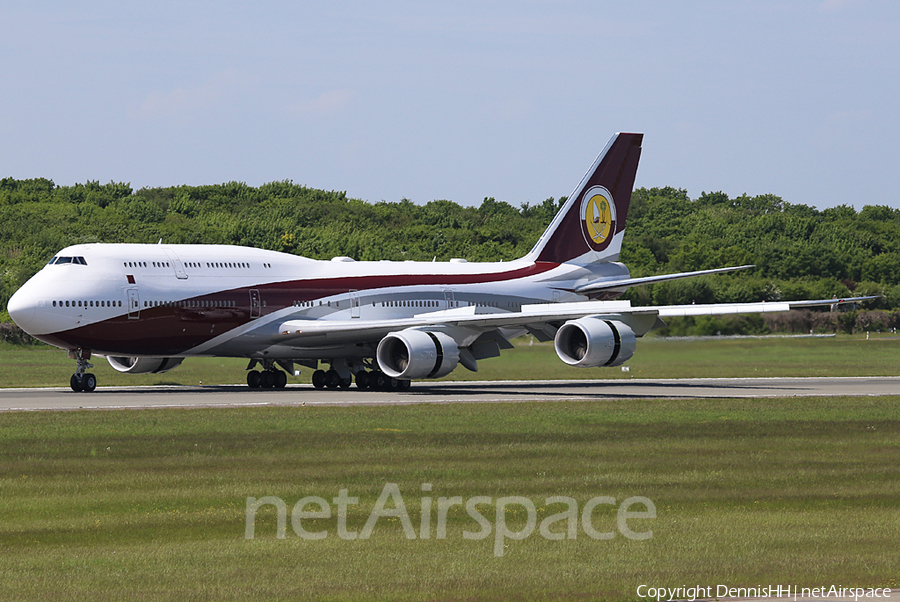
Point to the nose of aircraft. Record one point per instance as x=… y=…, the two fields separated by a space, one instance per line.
x=21 y=309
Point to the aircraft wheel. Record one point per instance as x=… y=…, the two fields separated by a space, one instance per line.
x=75 y=383
x=253 y=379
x=362 y=379
x=404 y=385
x=318 y=379
x=332 y=379
x=266 y=379
x=280 y=379
x=378 y=381
x=88 y=382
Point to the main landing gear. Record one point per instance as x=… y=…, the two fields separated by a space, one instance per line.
x=272 y=378
x=82 y=380
x=374 y=380
x=339 y=376
x=330 y=379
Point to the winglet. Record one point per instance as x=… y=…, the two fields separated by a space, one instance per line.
x=590 y=226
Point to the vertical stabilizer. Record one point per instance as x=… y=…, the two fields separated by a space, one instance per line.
x=591 y=224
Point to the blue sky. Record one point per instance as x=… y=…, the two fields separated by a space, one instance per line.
x=456 y=100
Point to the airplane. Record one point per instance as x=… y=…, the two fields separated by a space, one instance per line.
x=147 y=307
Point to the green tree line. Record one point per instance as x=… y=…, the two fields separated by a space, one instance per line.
x=799 y=251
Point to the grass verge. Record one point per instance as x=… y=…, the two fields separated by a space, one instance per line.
x=151 y=504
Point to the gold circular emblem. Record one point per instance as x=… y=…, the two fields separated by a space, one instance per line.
x=598 y=218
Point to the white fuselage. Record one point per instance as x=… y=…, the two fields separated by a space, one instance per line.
x=185 y=300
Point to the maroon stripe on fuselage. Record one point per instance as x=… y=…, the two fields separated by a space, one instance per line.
x=306 y=290
x=172 y=329
x=159 y=331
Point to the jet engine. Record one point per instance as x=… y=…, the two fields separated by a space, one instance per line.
x=591 y=342
x=410 y=354
x=144 y=365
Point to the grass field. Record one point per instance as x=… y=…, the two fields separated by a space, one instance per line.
x=843 y=355
x=149 y=505
x=152 y=504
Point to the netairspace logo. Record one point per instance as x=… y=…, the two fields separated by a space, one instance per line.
x=391 y=505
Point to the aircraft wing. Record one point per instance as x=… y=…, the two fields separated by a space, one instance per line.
x=465 y=317
x=531 y=317
x=604 y=285
x=718 y=309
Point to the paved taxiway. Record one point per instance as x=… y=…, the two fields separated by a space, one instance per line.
x=443 y=392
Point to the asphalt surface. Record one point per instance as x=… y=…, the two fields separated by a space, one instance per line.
x=442 y=392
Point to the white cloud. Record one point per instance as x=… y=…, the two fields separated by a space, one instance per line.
x=327 y=103
x=182 y=104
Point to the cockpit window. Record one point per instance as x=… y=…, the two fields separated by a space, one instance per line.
x=61 y=260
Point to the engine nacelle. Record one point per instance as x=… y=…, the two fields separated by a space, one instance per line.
x=143 y=365
x=410 y=354
x=591 y=342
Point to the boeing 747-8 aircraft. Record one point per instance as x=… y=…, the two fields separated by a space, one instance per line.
x=147 y=307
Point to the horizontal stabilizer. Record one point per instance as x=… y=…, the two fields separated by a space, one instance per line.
x=605 y=285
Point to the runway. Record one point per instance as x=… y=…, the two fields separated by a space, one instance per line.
x=442 y=392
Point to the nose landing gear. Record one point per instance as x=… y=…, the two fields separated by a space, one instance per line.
x=82 y=380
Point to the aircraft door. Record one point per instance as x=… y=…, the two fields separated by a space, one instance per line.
x=255 y=303
x=449 y=299
x=354 y=303
x=134 y=303
x=176 y=264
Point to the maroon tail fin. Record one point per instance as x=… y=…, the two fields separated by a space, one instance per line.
x=591 y=224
